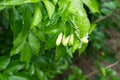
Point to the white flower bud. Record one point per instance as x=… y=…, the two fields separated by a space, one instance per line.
x=59 y=39
x=71 y=39
x=84 y=39
x=65 y=41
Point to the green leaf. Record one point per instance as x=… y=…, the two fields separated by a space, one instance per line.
x=17 y=77
x=50 y=7
x=2 y=7
x=84 y=45
x=16 y=22
x=51 y=42
x=69 y=51
x=3 y=76
x=76 y=44
x=4 y=61
x=17 y=2
x=79 y=18
x=91 y=28
x=31 y=69
x=60 y=52
x=37 y=17
x=56 y=26
x=39 y=34
x=40 y=74
x=26 y=54
x=18 y=45
x=27 y=17
x=92 y=5
x=54 y=1
x=20 y=76
x=110 y=5
x=14 y=67
x=34 y=44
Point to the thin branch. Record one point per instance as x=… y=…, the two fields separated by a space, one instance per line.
x=109 y=66
x=101 y=19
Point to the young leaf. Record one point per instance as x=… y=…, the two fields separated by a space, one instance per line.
x=4 y=61
x=92 y=5
x=54 y=1
x=50 y=7
x=37 y=17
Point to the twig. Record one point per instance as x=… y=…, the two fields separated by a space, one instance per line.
x=109 y=66
x=100 y=19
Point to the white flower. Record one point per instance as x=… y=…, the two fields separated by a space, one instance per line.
x=71 y=39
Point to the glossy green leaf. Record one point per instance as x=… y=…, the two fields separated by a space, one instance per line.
x=34 y=44
x=16 y=22
x=27 y=17
x=50 y=7
x=14 y=67
x=4 y=61
x=37 y=17
x=60 y=52
x=55 y=27
x=26 y=54
x=51 y=42
x=79 y=18
x=92 y=5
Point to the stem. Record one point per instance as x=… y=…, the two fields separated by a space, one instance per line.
x=109 y=66
x=101 y=19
